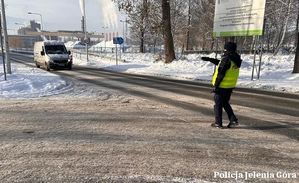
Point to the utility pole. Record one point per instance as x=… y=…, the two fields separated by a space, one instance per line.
x=125 y=28
x=2 y=50
x=85 y=33
x=3 y=18
x=83 y=11
x=127 y=21
x=124 y=33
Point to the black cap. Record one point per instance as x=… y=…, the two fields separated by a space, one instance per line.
x=230 y=47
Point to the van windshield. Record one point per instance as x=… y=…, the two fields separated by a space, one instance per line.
x=55 y=49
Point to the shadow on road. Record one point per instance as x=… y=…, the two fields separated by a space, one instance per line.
x=252 y=123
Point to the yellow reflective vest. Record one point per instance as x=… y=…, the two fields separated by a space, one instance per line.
x=231 y=76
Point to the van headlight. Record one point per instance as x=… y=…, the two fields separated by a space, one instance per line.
x=48 y=59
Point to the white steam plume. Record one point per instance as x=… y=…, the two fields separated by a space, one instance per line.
x=109 y=13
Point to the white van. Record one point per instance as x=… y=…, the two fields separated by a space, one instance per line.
x=51 y=55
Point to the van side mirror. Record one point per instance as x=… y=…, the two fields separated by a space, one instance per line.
x=69 y=52
x=42 y=53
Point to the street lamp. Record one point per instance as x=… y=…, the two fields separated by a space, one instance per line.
x=124 y=34
x=83 y=8
x=83 y=11
x=41 y=19
x=123 y=27
x=3 y=27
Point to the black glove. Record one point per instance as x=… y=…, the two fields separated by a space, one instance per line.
x=215 y=90
x=205 y=58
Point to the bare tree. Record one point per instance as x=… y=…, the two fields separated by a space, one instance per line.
x=167 y=32
x=296 y=61
x=149 y=24
x=143 y=17
x=288 y=4
x=202 y=13
x=138 y=14
x=179 y=25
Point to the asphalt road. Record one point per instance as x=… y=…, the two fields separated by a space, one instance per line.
x=149 y=129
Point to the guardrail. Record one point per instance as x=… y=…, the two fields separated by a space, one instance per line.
x=26 y=52
x=102 y=51
x=80 y=53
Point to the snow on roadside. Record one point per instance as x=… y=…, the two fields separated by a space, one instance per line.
x=25 y=82
x=276 y=72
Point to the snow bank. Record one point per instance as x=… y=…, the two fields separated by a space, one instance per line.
x=25 y=82
x=276 y=72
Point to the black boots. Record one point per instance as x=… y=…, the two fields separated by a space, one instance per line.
x=233 y=124
x=216 y=125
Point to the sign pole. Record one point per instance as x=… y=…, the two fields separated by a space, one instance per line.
x=262 y=49
x=260 y=58
x=216 y=48
x=5 y=39
x=83 y=9
x=116 y=41
x=2 y=50
x=120 y=52
x=116 y=54
x=216 y=55
x=254 y=57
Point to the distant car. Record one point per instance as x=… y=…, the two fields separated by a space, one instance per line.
x=52 y=55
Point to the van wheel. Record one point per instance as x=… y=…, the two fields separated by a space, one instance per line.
x=47 y=66
x=38 y=66
x=69 y=67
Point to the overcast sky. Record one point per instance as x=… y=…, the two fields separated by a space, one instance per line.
x=57 y=14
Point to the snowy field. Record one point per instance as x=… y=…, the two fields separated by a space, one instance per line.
x=25 y=82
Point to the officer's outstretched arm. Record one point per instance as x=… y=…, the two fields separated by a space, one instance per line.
x=213 y=60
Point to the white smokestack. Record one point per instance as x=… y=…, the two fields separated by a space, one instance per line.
x=82 y=7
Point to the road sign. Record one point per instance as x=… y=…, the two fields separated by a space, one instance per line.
x=239 y=18
x=118 y=40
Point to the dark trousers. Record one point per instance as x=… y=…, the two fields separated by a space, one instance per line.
x=222 y=97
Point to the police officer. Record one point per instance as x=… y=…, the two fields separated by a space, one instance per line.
x=224 y=81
